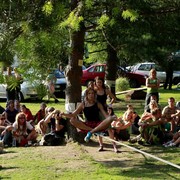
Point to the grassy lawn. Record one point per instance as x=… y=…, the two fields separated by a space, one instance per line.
x=82 y=161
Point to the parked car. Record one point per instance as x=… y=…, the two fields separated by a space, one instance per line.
x=91 y=72
x=28 y=91
x=145 y=67
x=135 y=79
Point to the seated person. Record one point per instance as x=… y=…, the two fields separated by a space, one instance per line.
x=41 y=113
x=53 y=128
x=150 y=128
x=125 y=121
x=90 y=108
x=3 y=124
x=170 y=114
x=10 y=112
x=27 y=112
x=147 y=114
x=17 y=105
x=121 y=125
x=174 y=142
x=18 y=132
x=43 y=127
x=153 y=100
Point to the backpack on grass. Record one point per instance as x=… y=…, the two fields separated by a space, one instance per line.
x=51 y=139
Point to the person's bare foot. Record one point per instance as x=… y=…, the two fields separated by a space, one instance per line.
x=116 y=150
x=100 y=149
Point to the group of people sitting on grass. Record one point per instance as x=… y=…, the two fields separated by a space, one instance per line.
x=158 y=126
x=18 y=127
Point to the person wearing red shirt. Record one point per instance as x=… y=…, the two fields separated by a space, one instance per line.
x=27 y=112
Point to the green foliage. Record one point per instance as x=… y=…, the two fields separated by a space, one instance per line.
x=103 y=21
x=47 y=8
x=130 y=14
x=2 y=79
x=10 y=81
x=72 y=21
x=137 y=30
x=122 y=84
x=41 y=90
x=89 y=4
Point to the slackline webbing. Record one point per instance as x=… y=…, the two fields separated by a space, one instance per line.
x=142 y=152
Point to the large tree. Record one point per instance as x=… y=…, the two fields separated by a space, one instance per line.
x=40 y=31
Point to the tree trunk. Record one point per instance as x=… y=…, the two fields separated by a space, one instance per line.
x=111 y=68
x=73 y=71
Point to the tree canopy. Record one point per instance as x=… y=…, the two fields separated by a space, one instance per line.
x=40 y=33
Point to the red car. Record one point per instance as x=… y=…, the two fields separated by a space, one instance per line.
x=135 y=79
x=91 y=72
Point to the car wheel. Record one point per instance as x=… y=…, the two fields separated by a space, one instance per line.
x=133 y=83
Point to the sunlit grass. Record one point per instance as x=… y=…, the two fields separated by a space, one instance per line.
x=71 y=161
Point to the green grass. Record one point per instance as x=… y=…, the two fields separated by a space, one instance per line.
x=54 y=163
x=73 y=161
x=139 y=104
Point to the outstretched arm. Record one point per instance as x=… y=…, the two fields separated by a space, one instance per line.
x=75 y=113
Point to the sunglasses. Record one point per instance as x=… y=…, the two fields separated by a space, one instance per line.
x=2 y=118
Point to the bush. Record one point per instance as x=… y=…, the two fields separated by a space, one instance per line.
x=122 y=84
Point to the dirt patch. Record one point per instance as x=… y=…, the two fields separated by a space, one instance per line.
x=76 y=156
x=124 y=158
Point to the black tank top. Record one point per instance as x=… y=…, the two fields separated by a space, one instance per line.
x=91 y=113
x=102 y=100
x=11 y=115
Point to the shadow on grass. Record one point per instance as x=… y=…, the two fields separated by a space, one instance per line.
x=134 y=167
x=8 y=168
x=2 y=168
x=139 y=168
x=148 y=169
x=9 y=151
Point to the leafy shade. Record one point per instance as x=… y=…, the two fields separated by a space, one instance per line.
x=130 y=14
